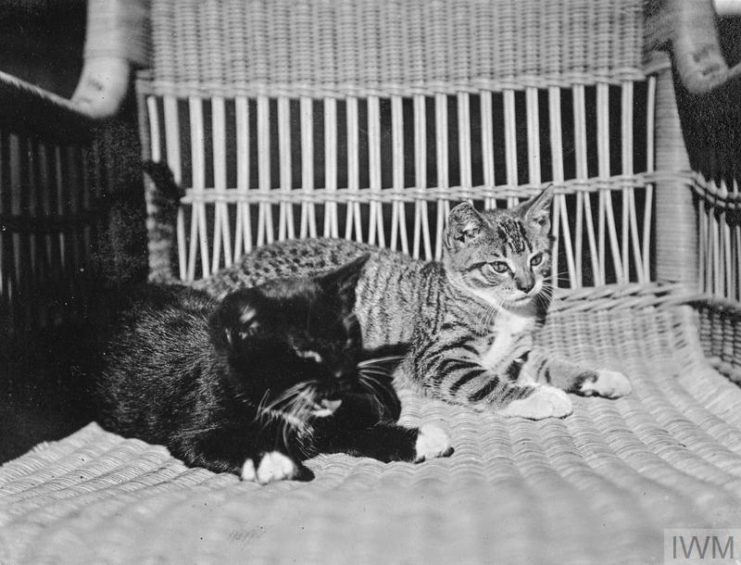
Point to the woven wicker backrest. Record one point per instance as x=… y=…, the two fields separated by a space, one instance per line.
x=366 y=119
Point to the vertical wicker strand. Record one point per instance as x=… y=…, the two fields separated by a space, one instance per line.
x=60 y=199
x=649 y=197
x=331 y=227
x=510 y=142
x=443 y=172
x=421 y=224
x=726 y=245
x=155 y=149
x=4 y=288
x=737 y=251
x=629 y=201
x=15 y=210
x=605 y=198
x=39 y=207
x=353 y=171
x=717 y=259
x=487 y=144
x=703 y=250
x=533 y=147
x=73 y=182
x=199 y=233
x=584 y=202
x=398 y=222
x=285 y=214
x=222 y=231
x=265 y=213
x=45 y=204
x=308 y=216
x=533 y=136
x=464 y=147
x=244 y=220
x=560 y=211
x=32 y=210
x=376 y=226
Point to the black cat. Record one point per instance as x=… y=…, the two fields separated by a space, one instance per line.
x=258 y=382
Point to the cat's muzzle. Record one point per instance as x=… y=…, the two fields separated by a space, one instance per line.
x=325 y=407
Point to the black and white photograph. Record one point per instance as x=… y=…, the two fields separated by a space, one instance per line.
x=370 y=281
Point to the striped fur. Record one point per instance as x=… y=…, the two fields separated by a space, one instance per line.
x=470 y=319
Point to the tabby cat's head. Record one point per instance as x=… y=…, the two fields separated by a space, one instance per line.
x=501 y=256
x=294 y=346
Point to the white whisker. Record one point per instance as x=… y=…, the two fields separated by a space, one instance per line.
x=369 y=362
x=373 y=388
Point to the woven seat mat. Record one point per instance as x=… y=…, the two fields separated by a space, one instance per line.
x=598 y=486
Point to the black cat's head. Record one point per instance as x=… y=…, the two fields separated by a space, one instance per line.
x=294 y=345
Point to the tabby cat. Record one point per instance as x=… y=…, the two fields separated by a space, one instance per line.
x=470 y=319
x=257 y=382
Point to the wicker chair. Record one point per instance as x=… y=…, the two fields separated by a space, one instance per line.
x=365 y=119
x=59 y=161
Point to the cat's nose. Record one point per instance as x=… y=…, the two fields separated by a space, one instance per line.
x=343 y=378
x=525 y=285
x=342 y=375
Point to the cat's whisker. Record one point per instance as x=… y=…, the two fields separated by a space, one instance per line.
x=376 y=360
x=373 y=387
x=288 y=395
x=380 y=378
x=558 y=277
x=376 y=371
x=262 y=405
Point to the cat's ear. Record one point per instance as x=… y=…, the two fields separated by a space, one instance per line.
x=342 y=281
x=235 y=319
x=464 y=226
x=537 y=210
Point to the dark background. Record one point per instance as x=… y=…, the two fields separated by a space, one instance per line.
x=41 y=42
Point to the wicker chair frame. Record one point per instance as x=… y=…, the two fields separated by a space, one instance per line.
x=366 y=119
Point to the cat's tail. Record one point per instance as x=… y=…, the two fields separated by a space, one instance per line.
x=163 y=200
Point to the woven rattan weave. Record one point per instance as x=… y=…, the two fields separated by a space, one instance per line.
x=599 y=486
x=366 y=119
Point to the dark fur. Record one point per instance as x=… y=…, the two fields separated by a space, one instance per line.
x=205 y=378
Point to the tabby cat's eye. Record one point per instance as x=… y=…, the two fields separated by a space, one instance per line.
x=536 y=259
x=499 y=267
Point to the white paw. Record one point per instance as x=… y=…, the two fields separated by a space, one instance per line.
x=274 y=466
x=431 y=442
x=248 y=471
x=545 y=402
x=609 y=384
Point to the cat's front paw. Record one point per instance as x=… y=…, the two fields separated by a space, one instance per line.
x=609 y=384
x=544 y=402
x=274 y=466
x=431 y=442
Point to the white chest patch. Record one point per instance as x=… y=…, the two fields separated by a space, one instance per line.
x=511 y=333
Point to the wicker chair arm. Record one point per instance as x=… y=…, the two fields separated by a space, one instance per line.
x=720 y=335
x=117 y=42
x=35 y=112
x=688 y=28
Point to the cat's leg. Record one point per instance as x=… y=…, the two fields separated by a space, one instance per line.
x=271 y=466
x=543 y=401
x=245 y=453
x=385 y=442
x=460 y=378
x=575 y=378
